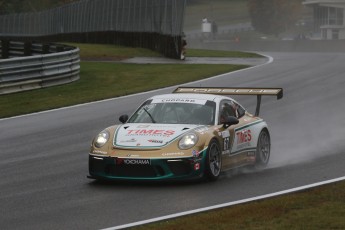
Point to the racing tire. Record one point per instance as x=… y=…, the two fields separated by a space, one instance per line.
x=213 y=162
x=263 y=149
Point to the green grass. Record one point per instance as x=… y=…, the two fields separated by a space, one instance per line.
x=111 y=52
x=102 y=80
x=107 y=80
x=317 y=208
x=97 y=51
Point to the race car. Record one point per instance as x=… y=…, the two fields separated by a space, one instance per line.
x=191 y=133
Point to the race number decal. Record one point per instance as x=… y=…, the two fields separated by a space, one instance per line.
x=226 y=144
x=226 y=141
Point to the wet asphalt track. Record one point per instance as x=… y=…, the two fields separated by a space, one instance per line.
x=43 y=159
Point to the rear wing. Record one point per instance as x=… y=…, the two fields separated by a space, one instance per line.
x=235 y=91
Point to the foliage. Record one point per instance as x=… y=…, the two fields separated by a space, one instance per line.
x=18 y=6
x=274 y=16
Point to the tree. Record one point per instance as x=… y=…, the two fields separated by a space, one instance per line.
x=19 y=6
x=274 y=16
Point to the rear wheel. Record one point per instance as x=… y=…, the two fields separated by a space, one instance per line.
x=213 y=161
x=263 y=149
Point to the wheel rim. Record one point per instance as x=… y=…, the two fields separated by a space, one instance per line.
x=214 y=160
x=264 y=147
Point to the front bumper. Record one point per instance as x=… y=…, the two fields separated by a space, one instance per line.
x=113 y=168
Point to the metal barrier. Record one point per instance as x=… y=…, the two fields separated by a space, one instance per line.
x=60 y=65
x=152 y=24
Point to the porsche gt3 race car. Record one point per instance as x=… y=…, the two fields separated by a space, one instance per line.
x=188 y=134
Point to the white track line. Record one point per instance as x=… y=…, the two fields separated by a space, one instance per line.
x=225 y=204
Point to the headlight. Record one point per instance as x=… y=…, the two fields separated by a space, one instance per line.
x=188 y=141
x=101 y=138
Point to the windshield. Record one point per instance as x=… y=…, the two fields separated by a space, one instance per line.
x=175 y=112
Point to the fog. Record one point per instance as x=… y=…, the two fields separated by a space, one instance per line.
x=307 y=124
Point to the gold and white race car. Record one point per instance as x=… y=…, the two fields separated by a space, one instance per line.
x=190 y=133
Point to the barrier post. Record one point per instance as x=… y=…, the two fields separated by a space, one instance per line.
x=45 y=48
x=27 y=48
x=5 y=46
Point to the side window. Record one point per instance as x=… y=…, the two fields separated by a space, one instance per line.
x=225 y=110
x=241 y=111
x=230 y=108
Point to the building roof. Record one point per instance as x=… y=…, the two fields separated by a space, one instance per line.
x=325 y=2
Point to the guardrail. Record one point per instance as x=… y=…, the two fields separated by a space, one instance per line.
x=49 y=65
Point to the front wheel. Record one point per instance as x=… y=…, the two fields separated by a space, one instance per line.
x=213 y=161
x=263 y=149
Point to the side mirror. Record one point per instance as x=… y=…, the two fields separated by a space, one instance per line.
x=123 y=118
x=230 y=120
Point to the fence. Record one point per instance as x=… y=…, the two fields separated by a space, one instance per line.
x=154 y=24
x=50 y=65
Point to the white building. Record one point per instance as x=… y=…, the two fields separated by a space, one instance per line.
x=329 y=18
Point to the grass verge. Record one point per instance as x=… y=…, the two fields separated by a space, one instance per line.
x=317 y=208
x=102 y=80
x=111 y=52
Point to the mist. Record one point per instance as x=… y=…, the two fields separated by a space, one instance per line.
x=307 y=124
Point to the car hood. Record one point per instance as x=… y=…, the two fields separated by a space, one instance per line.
x=149 y=135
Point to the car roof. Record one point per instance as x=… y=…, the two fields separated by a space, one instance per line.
x=210 y=97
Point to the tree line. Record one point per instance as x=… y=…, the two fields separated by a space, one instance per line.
x=267 y=16
x=274 y=16
x=20 y=6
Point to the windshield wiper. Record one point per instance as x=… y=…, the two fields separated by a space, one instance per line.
x=153 y=120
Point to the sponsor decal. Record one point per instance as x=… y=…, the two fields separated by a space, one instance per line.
x=173 y=154
x=197 y=166
x=156 y=141
x=120 y=161
x=243 y=138
x=225 y=134
x=99 y=152
x=143 y=126
x=229 y=91
x=150 y=132
x=180 y=100
x=195 y=153
x=226 y=141
x=131 y=140
x=174 y=100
